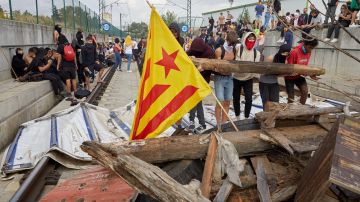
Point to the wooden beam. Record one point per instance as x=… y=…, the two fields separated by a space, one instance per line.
x=196 y=146
x=224 y=191
x=262 y=185
x=268 y=170
x=145 y=177
x=224 y=66
x=293 y=111
x=209 y=167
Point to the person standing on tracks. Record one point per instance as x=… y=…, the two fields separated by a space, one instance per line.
x=268 y=84
x=175 y=30
x=300 y=55
x=128 y=47
x=91 y=62
x=223 y=81
x=117 y=51
x=200 y=49
x=67 y=65
x=245 y=52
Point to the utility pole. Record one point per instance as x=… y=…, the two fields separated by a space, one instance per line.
x=188 y=13
x=120 y=25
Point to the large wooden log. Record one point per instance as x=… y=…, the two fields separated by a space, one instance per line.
x=294 y=111
x=145 y=177
x=224 y=66
x=247 y=143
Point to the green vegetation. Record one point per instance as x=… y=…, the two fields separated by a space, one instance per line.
x=169 y=17
x=138 y=30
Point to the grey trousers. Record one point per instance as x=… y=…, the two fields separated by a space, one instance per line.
x=330 y=12
x=199 y=110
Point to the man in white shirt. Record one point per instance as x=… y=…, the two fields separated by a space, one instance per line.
x=316 y=21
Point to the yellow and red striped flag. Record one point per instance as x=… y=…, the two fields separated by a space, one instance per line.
x=170 y=85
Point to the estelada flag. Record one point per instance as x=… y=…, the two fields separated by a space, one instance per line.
x=170 y=85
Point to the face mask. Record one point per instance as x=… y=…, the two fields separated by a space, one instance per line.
x=304 y=49
x=249 y=44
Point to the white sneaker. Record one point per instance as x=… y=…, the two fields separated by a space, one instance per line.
x=326 y=39
x=353 y=25
x=129 y=71
x=334 y=40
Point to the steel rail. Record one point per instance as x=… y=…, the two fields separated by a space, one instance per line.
x=33 y=185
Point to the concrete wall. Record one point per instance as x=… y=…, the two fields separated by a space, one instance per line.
x=342 y=72
x=15 y=34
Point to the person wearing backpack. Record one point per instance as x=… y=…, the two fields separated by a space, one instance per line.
x=245 y=52
x=67 y=65
x=223 y=82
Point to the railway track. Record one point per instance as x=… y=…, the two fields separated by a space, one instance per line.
x=45 y=172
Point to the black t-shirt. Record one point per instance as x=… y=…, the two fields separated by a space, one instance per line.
x=65 y=64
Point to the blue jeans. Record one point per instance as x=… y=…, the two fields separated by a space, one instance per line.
x=223 y=87
x=117 y=60
x=267 y=20
x=129 y=58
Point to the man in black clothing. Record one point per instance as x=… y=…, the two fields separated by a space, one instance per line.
x=91 y=62
x=304 y=17
x=67 y=65
x=18 y=64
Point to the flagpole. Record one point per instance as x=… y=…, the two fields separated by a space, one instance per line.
x=223 y=109
x=151 y=6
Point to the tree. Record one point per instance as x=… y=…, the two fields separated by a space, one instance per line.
x=2 y=13
x=169 y=17
x=246 y=16
x=138 y=30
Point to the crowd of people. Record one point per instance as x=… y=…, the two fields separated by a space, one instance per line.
x=241 y=41
x=73 y=66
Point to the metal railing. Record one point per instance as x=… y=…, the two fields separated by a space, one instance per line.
x=71 y=14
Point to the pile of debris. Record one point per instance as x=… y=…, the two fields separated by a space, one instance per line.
x=299 y=153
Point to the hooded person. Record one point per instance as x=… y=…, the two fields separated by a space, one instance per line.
x=200 y=49
x=268 y=84
x=18 y=64
x=245 y=52
x=175 y=29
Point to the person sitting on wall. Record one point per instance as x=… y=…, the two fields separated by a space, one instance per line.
x=18 y=64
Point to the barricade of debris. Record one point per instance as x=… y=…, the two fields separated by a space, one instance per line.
x=300 y=153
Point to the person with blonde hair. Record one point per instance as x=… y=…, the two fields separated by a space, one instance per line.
x=128 y=46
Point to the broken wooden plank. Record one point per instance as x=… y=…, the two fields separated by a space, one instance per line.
x=280 y=139
x=224 y=191
x=284 y=194
x=224 y=66
x=209 y=167
x=262 y=185
x=268 y=170
x=145 y=177
x=195 y=146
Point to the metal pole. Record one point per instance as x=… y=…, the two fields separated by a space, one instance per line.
x=37 y=12
x=80 y=16
x=120 y=26
x=64 y=14
x=188 y=13
x=53 y=14
x=87 y=20
x=10 y=8
x=73 y=5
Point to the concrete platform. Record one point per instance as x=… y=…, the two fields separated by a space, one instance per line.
x=21 y=102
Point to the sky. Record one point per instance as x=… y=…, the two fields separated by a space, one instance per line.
x=138 y=10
